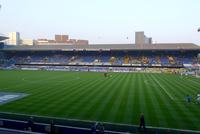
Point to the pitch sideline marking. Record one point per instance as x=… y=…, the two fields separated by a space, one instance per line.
x=164 y=89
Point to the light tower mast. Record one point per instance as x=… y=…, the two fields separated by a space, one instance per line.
x=198 y=57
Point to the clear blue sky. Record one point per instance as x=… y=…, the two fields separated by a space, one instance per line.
x=103 y=21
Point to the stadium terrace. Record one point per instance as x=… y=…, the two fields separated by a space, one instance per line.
x=108 y=55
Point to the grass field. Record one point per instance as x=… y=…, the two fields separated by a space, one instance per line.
x=119 y=99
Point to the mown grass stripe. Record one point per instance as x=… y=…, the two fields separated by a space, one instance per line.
x=121 y=98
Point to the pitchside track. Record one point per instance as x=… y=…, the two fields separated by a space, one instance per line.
x=119 y=99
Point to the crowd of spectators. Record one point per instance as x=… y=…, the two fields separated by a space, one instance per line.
x=103 y=58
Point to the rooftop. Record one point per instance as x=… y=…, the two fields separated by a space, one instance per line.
x=2 y=37
x=161 y=46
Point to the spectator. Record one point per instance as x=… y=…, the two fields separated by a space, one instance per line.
x=29 y=129
x=101 y=128
x=142 y=122
x=30 y=124
x=52 y=128
x=94 y=128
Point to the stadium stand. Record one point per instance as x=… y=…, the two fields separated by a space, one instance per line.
x=101 y=58
x=131 y=58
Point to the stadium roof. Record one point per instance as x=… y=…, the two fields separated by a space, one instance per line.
x=2 y=37
x=163 y=46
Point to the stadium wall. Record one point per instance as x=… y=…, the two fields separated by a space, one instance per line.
x=63 y=126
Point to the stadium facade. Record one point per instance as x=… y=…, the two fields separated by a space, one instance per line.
x=183 y=55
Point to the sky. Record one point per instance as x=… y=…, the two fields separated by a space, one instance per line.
x=103 y=21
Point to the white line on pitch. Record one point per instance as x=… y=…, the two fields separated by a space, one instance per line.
x=172 y=98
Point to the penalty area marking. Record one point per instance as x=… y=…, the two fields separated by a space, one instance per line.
x=6 y=97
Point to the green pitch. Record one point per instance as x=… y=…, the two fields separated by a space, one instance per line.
x=119 y=99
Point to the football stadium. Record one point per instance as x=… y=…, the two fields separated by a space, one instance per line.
x=110 y=85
